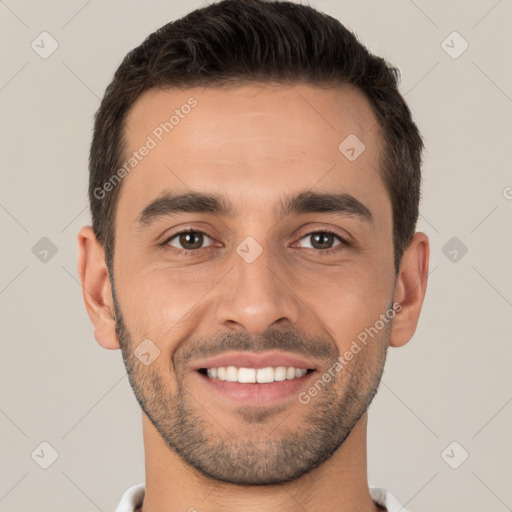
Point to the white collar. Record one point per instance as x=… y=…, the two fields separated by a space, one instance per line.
x=134 y=496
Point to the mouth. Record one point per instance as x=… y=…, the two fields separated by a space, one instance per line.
x=254 y=378
x=265 y=375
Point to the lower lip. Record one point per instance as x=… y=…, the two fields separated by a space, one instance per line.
x=254 y=393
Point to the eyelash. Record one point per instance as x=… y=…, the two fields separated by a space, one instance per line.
x=189 y=252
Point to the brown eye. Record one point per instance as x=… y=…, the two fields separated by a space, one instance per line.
x=189 y=240
x=321 y=240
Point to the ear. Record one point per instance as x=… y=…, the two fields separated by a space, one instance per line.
x=410 y=288
x=96 y=290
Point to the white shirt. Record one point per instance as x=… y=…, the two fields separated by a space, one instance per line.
x=134 y=496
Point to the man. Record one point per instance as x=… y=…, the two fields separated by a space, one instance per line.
x=254 y=188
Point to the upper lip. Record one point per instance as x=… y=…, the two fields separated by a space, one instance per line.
x=255 y=360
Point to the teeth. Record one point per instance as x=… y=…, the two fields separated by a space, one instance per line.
x=253 y=375
x=280 y=373
x=265 y=375
x=246 y=374
x=231 y=374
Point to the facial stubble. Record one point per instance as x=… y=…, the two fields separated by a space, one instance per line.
x=306 y=436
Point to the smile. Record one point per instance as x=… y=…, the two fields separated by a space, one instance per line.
x=254 y=375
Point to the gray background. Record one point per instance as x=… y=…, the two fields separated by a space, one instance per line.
x=452 y=382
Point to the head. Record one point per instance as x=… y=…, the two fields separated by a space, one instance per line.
x=273 y=208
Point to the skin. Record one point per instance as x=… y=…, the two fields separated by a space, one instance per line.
x=252 y=145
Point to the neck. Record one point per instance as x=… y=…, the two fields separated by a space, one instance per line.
x=338 y=484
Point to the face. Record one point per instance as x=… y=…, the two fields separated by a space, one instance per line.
x=245 y=238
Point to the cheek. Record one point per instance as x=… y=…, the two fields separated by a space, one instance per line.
x=348 y=301
x=161 y=303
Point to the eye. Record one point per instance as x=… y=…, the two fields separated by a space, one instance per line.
x=322 y=240
x=188 y=240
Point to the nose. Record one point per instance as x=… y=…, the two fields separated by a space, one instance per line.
x=257 y=296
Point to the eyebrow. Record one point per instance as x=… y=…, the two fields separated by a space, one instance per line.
x=168 y=203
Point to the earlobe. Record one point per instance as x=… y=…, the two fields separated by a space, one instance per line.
x=96 y=290
x=410 y=288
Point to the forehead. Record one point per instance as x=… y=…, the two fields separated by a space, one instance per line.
x=251 y=143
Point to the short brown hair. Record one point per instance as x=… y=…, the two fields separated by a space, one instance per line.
x=240 y=42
